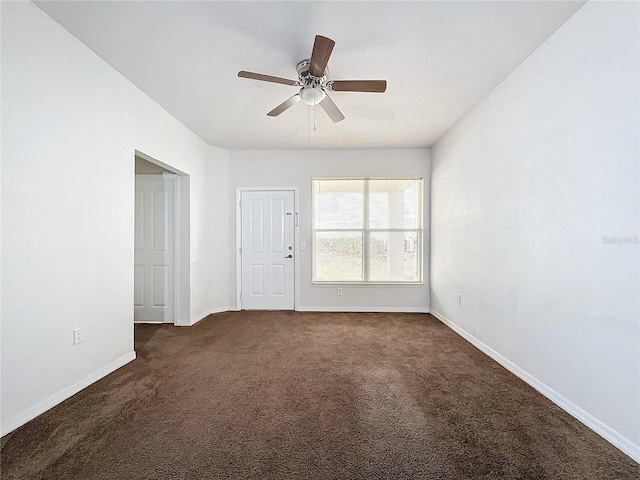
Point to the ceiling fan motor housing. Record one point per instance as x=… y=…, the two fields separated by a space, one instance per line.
x=311 y=92
x=308 y=80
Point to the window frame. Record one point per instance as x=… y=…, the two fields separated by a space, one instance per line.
x=366 y=234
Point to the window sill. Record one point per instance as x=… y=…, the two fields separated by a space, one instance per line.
x=367 y=284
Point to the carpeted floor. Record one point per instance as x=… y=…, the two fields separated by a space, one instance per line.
x=288 y=395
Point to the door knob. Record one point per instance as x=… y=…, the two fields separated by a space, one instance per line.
x=289 y=256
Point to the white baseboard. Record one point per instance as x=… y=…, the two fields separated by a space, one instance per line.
x=150 y=322
x=307 y=308
x=195 y=319
x=616 y=439
x=52 y=400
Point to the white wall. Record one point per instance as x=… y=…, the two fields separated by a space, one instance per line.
x=252 y=168
x=70 y=128
x=210 y=213
x=524 y=190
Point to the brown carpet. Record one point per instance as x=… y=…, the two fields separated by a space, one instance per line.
x=286 y=395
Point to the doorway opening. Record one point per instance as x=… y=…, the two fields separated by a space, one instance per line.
x=161 y=244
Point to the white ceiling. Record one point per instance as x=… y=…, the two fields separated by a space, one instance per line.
x=439 y=59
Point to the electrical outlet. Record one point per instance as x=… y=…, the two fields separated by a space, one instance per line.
x=77 y=336
x=459 y=298
x=339 y=291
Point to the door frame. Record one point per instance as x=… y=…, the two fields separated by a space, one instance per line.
x=296 y=240
x=182 y=281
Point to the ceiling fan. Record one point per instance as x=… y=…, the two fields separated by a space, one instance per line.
x=312 y=78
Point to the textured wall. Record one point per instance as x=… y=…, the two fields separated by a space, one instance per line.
x=70 y=128
x=527 y=193
x=296 y=168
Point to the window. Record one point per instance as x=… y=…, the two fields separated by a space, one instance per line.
x=367 y=230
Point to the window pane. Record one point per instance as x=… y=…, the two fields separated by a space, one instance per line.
x=338 y=257
x=394 y=257
x=338 y=203
x=394 y=203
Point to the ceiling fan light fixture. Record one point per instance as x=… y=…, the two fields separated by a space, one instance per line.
x=312 y=95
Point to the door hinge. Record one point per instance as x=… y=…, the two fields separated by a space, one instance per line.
x=240 y=250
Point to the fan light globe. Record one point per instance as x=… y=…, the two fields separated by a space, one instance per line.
x=312 y=95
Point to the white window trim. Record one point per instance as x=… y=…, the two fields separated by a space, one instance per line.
x=366 y=231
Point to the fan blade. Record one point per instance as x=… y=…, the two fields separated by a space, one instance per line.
x=332 y=110
x=322 y=48
x=266 y=78
x=284 y=105
x=374 y=86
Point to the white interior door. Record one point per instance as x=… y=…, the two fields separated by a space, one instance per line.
x=154 y=256
x=267 y=250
